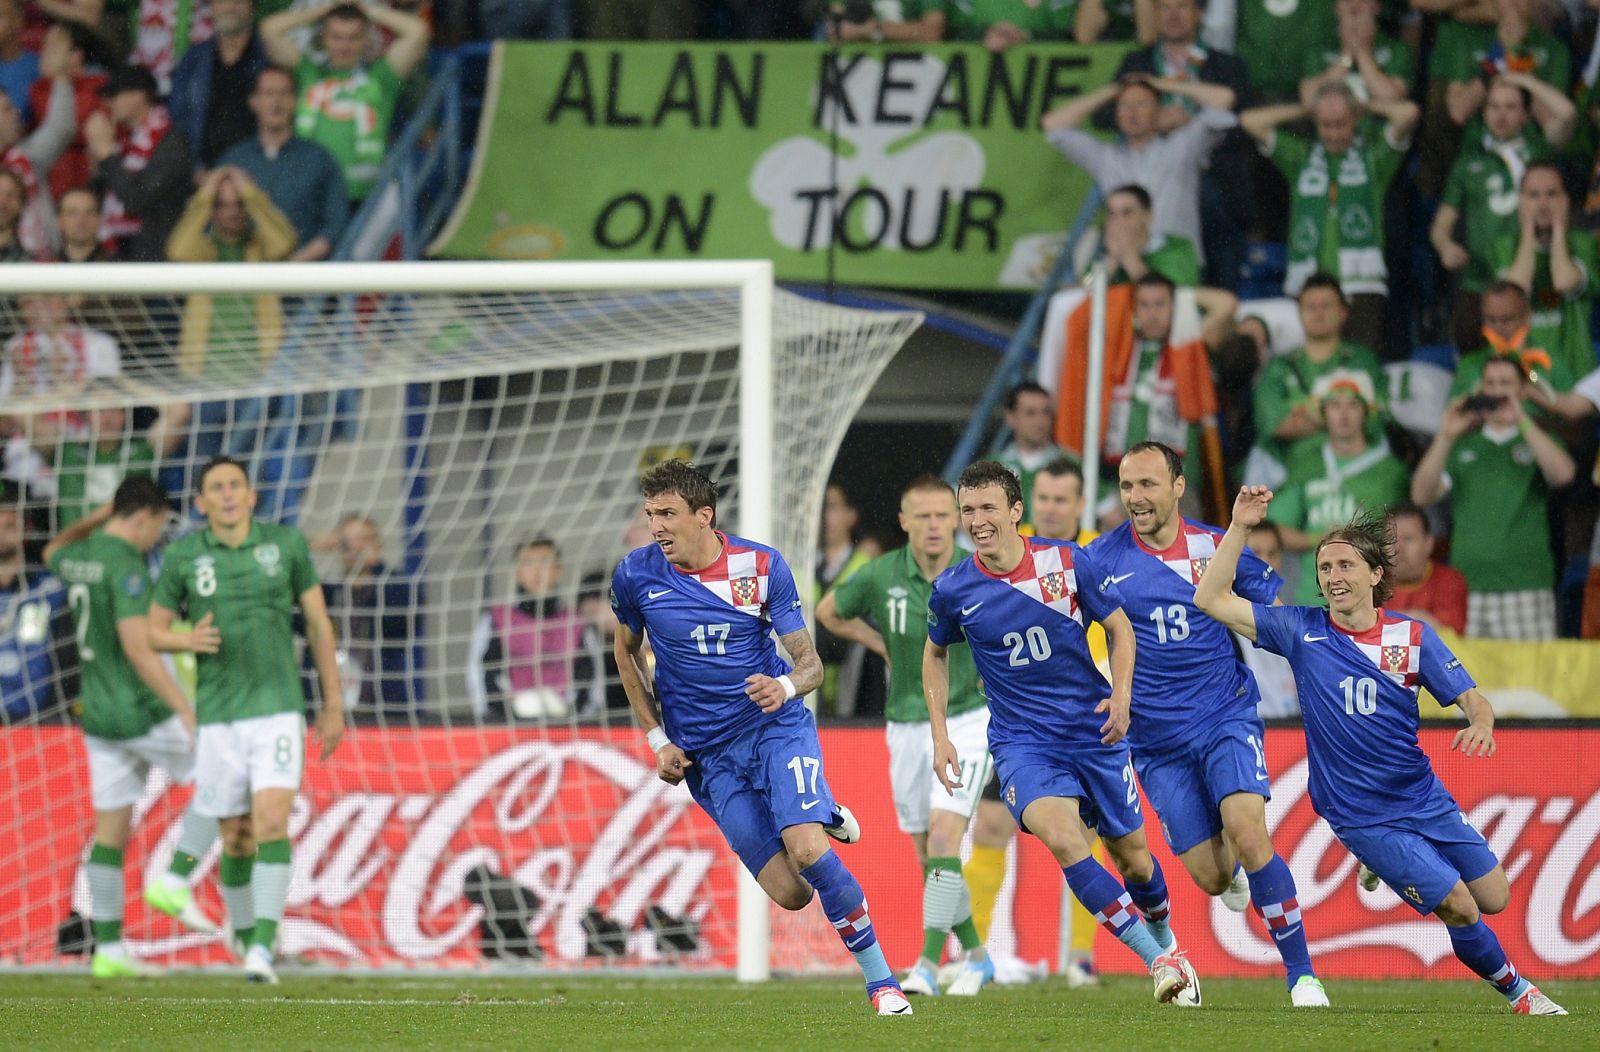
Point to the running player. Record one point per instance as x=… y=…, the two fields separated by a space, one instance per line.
x=893 y=589
x=134 y=715
x=1022 y=605
x=729 y=721
x=239 y=581
x=1197 y=742
x=1358 y=669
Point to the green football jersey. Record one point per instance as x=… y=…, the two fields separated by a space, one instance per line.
x=1499 y=503
x=1323 y=491
x=893 y=593
x=107 y=581
x=348 y=114
x=1287 y=381
x=251 y=593
x=1560 y=323
x=88 y=476
x=1041 y=19
x=1275 y=37
x=1483 y=189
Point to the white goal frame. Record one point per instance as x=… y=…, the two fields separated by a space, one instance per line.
x=752 y=278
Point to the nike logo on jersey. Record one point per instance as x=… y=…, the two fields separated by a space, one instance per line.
x=968 y=611
x=652 y=594
x=1117 y=580
x=807 y=807
x=1309 y=638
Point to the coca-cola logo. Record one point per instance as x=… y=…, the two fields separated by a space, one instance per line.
x=1563 y=898
x=581 y=823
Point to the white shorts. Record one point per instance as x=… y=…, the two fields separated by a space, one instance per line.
x=119 y=769
x=917 y=793
x=235 y=760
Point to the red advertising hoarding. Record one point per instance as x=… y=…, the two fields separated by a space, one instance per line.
x=386 y=831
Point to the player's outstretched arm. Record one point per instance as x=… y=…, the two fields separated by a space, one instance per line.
x=1214 y=594
x=1119 y=634
x=1477 y=737
x=203 y=638
x=133 y=634
x=78 y=531
x=772 y=693
x=671 y=761
x=319 y=637
x=936 y=689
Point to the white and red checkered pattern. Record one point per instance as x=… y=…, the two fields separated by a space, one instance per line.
x=855 y=926
x=1116 y=917
x=738 y=578
x=1046 y=575
x=1394 y=645
x=1187 y=556
x=1280 y=915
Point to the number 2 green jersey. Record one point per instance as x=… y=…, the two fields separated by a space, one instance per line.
x=250 y=592
x=892 y=591
x=107 y=581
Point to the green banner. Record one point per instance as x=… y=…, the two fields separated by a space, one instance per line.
x=940 y=179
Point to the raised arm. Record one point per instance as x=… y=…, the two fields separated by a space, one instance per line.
x=1119 y=636
x=628 y=649
x=411 y=36
x=936 y=691
x=1262 y=122
x=77 y=531
x=169 y=428
x=1211 y=96
x=277 y=32
x=1556 y=114
x=1218 y=306
x=1555 y=463
x=320 y=640
x=1452 y=254
x=854 y=629
x=1214 y=594
x=1071 y=114
x=1427 y=481
x=1402 y=115
x=134 y=635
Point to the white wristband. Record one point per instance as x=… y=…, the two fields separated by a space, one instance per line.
x=657 y=738
x=788 y=687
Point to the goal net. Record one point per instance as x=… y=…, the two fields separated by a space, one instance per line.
x=462 y=444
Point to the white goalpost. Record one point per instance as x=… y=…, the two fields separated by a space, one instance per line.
x=462 y=441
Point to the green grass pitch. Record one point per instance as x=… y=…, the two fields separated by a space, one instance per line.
x=218 y=1013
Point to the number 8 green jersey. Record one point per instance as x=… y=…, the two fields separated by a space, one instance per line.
x=107 y=581
x=250 y=592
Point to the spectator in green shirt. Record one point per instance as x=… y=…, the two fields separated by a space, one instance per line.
x=1507 y=327
x=1557 y=266
x=346 y=105
x=1275 y=36
x=1376 y=67
x=997 y=24
x=1031 y=419
x=1481 y=191
x=1133 y=250
x=1498 y=468
x=1332 y=478
x=1469 y=57
x=1337 y=185
x=88 y=472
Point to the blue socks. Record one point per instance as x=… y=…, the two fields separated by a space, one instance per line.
x=1112 y=907
x=1272 y=892
x=1478 y=949
x=846 y=906
x=1151 y=898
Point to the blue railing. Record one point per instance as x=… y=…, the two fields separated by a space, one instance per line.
x=1022 y=352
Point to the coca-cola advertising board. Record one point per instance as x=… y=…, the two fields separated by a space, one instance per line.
x=386 y=831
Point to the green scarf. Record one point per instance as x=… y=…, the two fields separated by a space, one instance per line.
x=1336 y=222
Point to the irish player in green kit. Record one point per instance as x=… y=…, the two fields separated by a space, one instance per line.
x=134 y=715
x=893 y=589
x=239 y=582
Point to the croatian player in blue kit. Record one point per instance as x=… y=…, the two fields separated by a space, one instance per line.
x=1197 y=742
x=1022 y=604
x=1358 y=669
x=730 y=722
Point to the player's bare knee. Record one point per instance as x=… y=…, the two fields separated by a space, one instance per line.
x=1210 y=881
x=1492 y=894
x=1133 y=862
x=805 y=845
x=236 y=839
x=1458 y=908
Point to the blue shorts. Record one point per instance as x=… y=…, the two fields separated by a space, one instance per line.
x=1101 y=780
x=1422 y=858
x=1186 y=786
x=761 y=783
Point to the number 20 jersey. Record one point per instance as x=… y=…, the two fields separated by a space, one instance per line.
x=1026 y=631
x=1358 y=698
x=709 y=629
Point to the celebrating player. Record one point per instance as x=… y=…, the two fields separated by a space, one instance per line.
x=1197 y=741
x=134 y=715
x=1022 y=606
x=239 y=581
x=729 y=722
x=894 y=589
x=1358 y=669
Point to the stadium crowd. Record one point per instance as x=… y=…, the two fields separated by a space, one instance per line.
x=1355 y=243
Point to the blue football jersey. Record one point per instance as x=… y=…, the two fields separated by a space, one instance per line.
x=1358 y=698
x=1026 y=631
x=1187 y=674
x=709 y=629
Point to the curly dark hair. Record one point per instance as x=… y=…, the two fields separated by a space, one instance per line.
x=991 y=473
x=685 y=480
x=1369 y=534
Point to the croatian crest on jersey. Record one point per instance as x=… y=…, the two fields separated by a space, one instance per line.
x=1394 y=646
x=1049 y=578
x=746 y=591
x=1190 y=554
x=739 y=579
x=1052 y=586
x=1394 y=659
x=1011 y=795
x=1197 y=568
